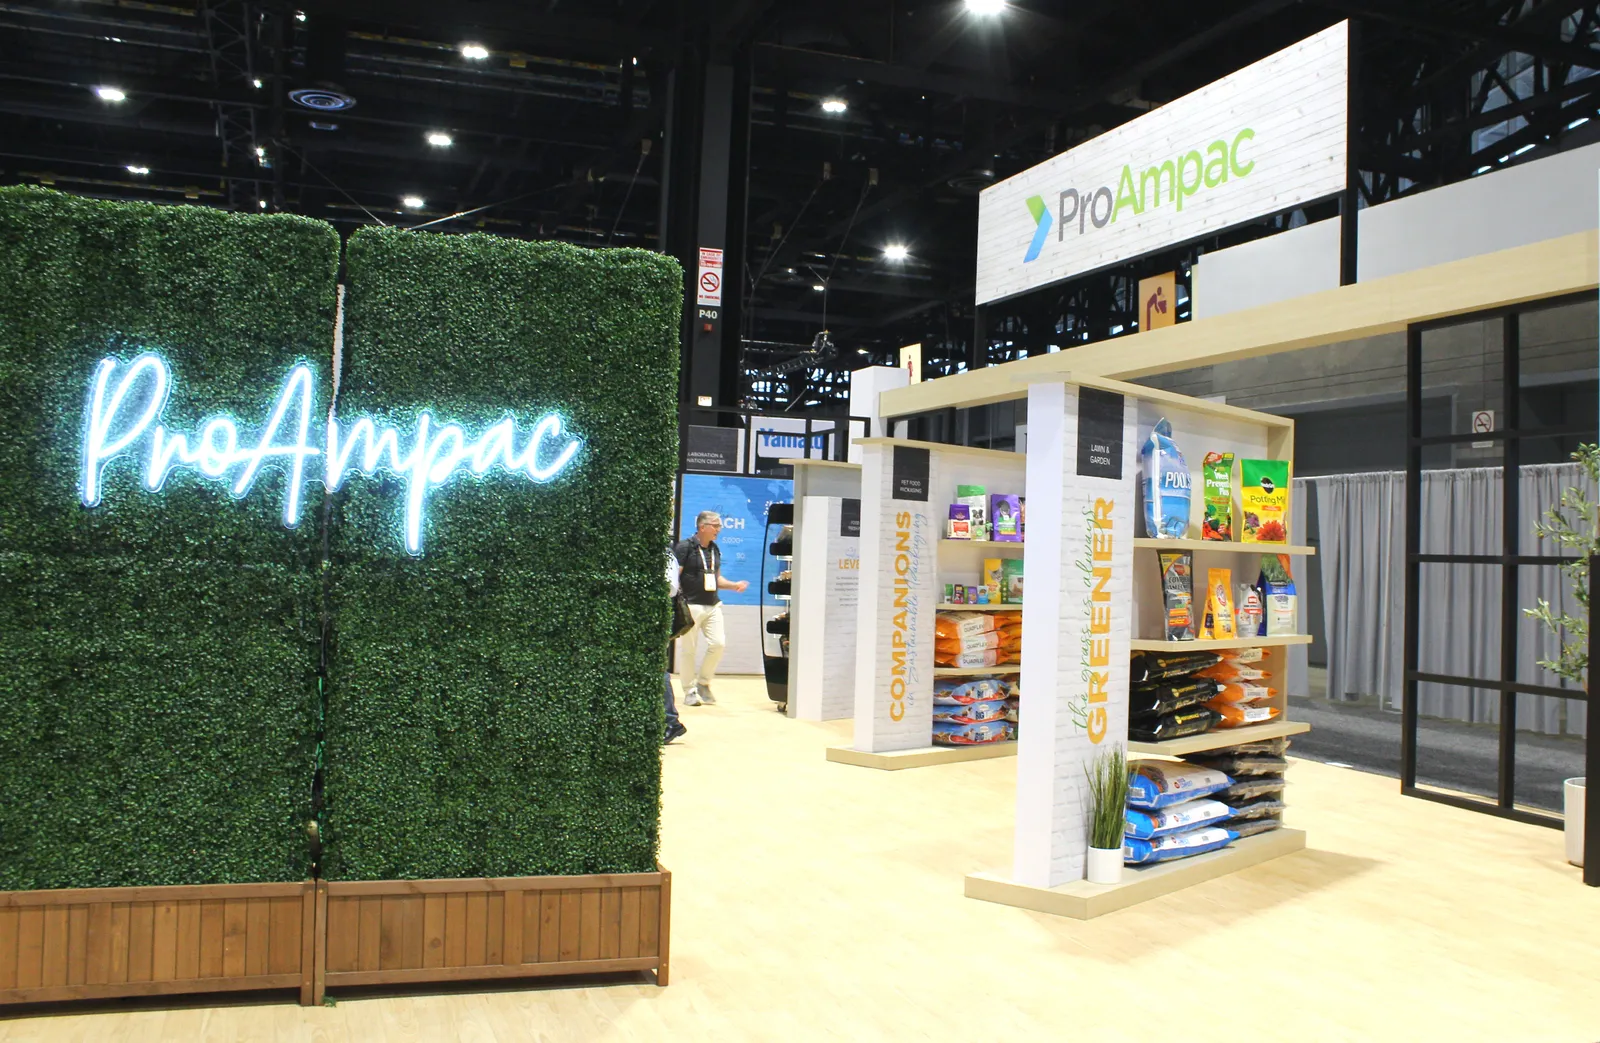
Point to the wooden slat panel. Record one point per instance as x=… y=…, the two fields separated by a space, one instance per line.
x=77 y=944
x=54 y=970
x=119 y=944
x=411 y=909
x=283 y=955
x=507 y=884
x=649 y=921
x=455 y=934
x=369 y=952
x=74 y=993
x=142 y=942
x=474 y=946
x=433 y=930
x=344 y=933
x=549 y=903
x=187 y=943
x=571 y=924
x=235 y=937
x=515 y=940
x=257 y=934
x=610 y=925
x=313 y=932
x=8 y=948
x=211 y=929
x=526 y=970
x=494 y=944
x=30 y=947
x=97 y=944
x=664 y=931
x=630 y=922
x=183 y=893
x=589 y=924
x=389 y=938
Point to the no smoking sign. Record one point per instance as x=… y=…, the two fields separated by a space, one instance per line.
x=708 y=287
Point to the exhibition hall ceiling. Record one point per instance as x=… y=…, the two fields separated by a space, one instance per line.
x=873 y=126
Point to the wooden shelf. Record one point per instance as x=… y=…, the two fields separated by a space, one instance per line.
x=926 y=757
x=1220 y=739
x=993 y=549
x=1082 y=900
x=802 y=462
x=996 y=455
x=951 y=606
x=1219 y=646
x=1225 y=546
x=987 y=671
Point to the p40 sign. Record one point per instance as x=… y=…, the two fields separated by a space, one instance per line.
x=123 y=417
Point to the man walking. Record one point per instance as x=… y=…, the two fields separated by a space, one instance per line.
x=700 y=562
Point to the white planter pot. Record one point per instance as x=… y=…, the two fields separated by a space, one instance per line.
x=1105 y=865
x=1573 y=791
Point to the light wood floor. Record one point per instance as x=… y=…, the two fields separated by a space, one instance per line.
x=822 y=901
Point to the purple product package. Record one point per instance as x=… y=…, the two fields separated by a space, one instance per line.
x=1005 y=518
x=959 y=526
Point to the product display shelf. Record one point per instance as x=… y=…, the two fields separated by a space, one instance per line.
x=1162 y=645
x=1223 y=546
x=1219 y=740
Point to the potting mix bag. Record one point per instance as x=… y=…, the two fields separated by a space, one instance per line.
x=1264 y=500
x=1191 y=814
x=1158 y=784
x=1165 y=484
x=1175 y=845
x=1277 y=596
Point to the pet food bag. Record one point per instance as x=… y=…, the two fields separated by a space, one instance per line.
x=1193 y=720
x=1264 y=500
x=955 y=733
x=1011 y=581
x=1177 y=593
x=1191 y=814
x=971 y=713
x=1218 y=624
x=1148 y=667
x=1231 y=670
x=955 y=625
x=1244 y=692
x=1165 y=484
x=1156 y=700
x=1157 y=784
x=1217 y=470
x=976 y=499
x=1238 y=715
x=1248 y=789
x=1252 y=827
x=1235 y=764
x=1277 y=596
x=1259 y=808
x=1248 y=617
x=1005 y=518
x=950 y=693
x=1244 y=656
x=1175 y=845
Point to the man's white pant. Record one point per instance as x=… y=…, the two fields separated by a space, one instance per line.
x=707 y=621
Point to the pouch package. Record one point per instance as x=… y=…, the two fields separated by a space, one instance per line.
x=1005 y=518
x=1264 y=501
x=1159 y=700
x=1165 y=483
x=1218 y=624
x=1217 y=474
x=1192 y=720
x=992 y=579
x=959 y=525
x=1277 y=596
x=1175 y=845
x=1011 y=581
x=976 y=499
x=1248 y=617
x=1149 y=667
x=1191 y=814
x=1177 y=593
x=1159 y=784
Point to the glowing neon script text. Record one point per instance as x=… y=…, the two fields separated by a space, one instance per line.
x=126 y=401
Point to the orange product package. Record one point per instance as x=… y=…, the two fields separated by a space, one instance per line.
x=1227 y=671
x=1244 y=692
x=1239 y=715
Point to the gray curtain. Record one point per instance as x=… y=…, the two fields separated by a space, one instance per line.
x=1362 y=521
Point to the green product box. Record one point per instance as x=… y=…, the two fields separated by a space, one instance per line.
x=1011 y=581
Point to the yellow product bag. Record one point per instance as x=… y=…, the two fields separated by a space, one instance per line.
x=1218 y=625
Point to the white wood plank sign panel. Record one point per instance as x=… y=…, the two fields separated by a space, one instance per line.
x=1267 y=138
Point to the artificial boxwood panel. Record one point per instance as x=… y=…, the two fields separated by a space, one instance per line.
x=494 y=704
x=158 y=653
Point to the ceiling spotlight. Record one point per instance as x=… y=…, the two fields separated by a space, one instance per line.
x=986 y=7
x=439 y=139
x=135 y=169
x=257 y=83
x=113 y=94
x=261 y=152
x=818 y=287
x=262 y=203
x=896 y=252
x=834 y=105
x=412 y=202
x=299 y=16
x=474 y=51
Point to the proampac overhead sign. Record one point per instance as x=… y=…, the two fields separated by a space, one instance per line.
x=1269 y=137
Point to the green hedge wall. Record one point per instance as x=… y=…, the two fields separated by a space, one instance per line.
x=158 y=653
x=494 y=705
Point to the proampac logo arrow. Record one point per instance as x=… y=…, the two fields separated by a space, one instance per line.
x=1041 y=214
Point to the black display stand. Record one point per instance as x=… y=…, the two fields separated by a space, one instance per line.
x=776 y=667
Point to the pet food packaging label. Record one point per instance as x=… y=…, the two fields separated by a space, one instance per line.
x=1217 y=473
x=1264 y=500
x=1177 y=593
x=1164 y=481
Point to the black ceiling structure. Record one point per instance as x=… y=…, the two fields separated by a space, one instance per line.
x=841 y=128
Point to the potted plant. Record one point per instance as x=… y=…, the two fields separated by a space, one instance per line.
x=1108 y=803
x=1579 y=534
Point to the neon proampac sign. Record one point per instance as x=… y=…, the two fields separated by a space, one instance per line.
x=123 y=418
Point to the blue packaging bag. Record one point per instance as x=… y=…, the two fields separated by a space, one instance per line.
x=1164 y=481
x=1153 y=785
x=1191 y=814
x=1137 y=852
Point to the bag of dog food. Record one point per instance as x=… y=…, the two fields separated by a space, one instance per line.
x=1240 y=715
x=1191 y=814
x=1245 y=656
x=1218 y=471
x=1244 y=692
x=1177 y=591
x=1158 y=784
x=1193 y=720
x=1229 y=671
x=1238 y=763
x=955 y=733
x=1156 y=700
x=1165 y=484
x=1147 y=667
x=1264 y=499
x=951 y=693
x=971 y=713
x=1175 y=845
x=948 y=625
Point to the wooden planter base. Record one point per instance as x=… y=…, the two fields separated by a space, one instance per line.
x=105 y=942
x=381 y=932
